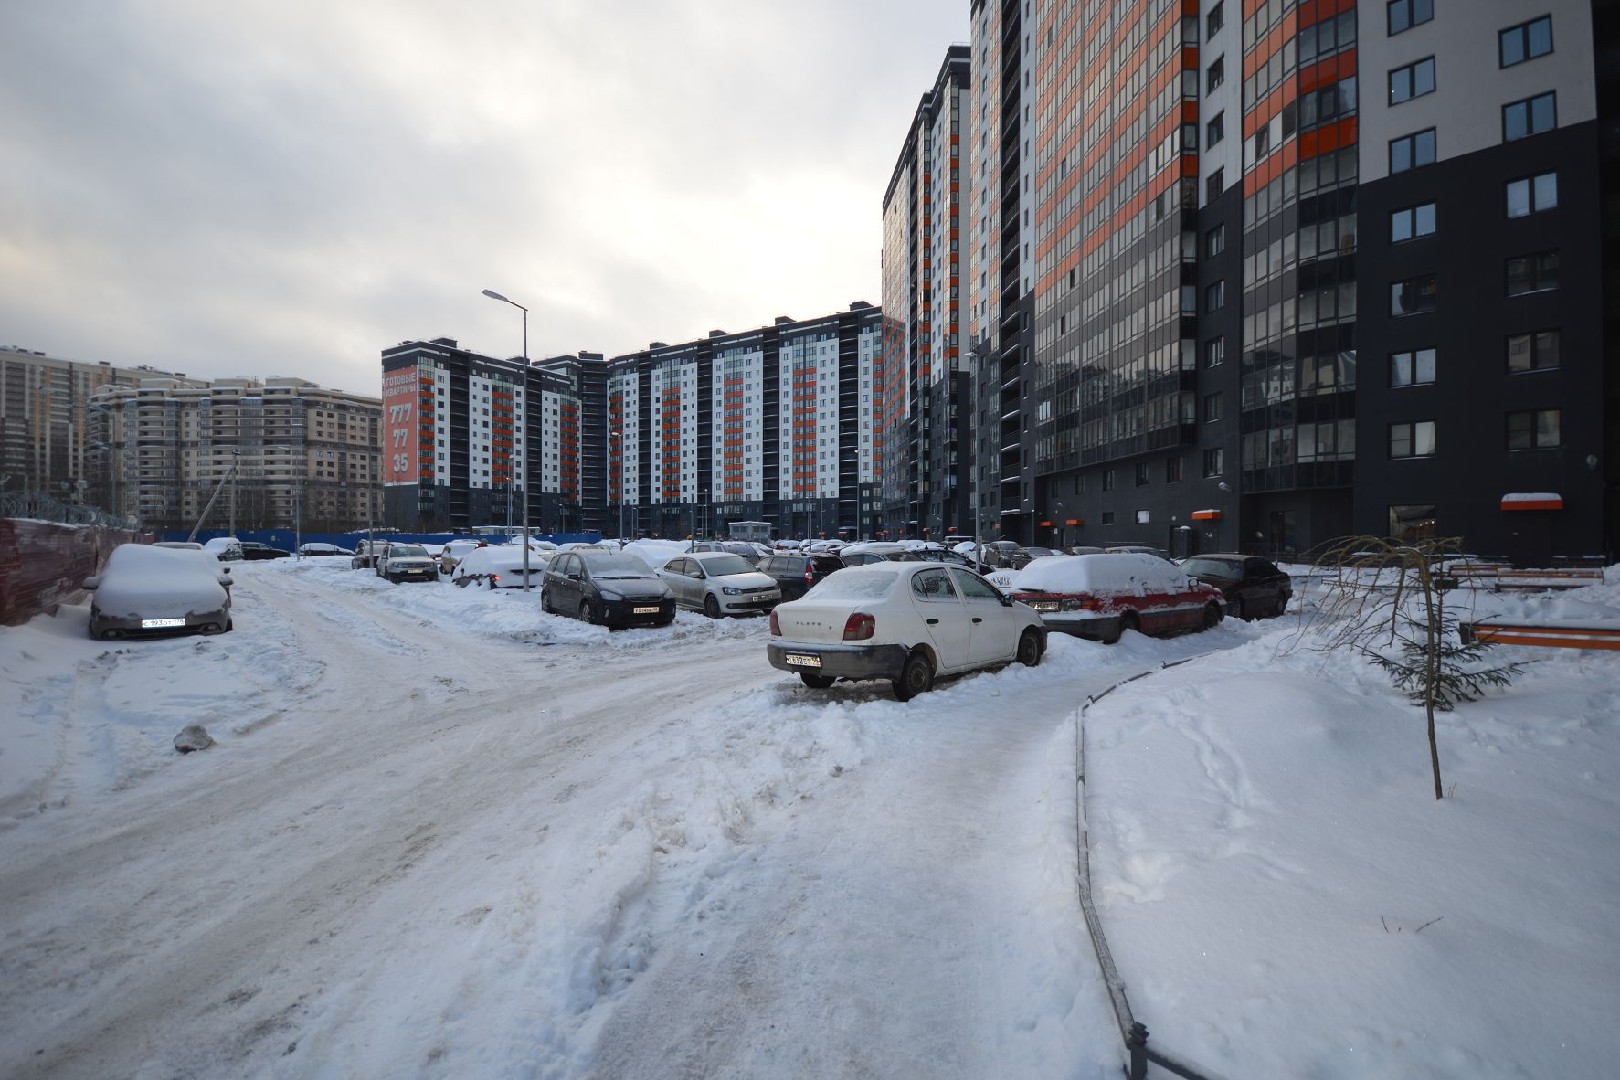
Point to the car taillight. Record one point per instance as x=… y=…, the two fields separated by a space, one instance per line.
x=494 y=580
x=809 y=574
x=776 y=627
x=859 y=627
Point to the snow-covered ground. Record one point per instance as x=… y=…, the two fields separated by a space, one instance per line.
x=445 y=835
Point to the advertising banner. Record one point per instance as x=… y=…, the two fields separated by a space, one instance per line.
x=400 y=424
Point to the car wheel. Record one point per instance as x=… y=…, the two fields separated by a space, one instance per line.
x=816 y=682
x=1029 y=648
x=917 y=677
x=585 y=611
x=1282 y=606
x=1212 y=616
x=1234 y=607
x=1127 y=621
x=545 y=602
x=711 y=606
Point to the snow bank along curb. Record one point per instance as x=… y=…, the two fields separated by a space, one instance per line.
x=1134 y=1034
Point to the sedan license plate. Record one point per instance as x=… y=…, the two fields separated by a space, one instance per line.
x=159 y=624
x=644 y=611
x=1044 y=605
x=802 y=660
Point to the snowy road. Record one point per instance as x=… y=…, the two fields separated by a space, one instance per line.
x=445 y=835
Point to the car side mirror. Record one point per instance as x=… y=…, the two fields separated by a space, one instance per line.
x=1006 y=601
x=90 y=583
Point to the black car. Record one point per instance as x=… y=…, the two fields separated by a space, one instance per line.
x=1254 y=587
x=795 y=573
x=251 y=550
x=606 y=587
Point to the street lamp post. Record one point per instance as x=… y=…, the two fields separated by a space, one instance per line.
x=522 y=439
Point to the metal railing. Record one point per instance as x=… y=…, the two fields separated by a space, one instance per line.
x=1133 y=1034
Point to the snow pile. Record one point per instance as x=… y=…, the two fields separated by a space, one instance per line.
x=444 y=834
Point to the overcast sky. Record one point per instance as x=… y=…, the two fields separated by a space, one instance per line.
x=286 y=187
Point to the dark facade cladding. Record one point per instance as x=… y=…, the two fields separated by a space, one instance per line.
x=1514 y=389
x=464 y=469
x=1296 y=271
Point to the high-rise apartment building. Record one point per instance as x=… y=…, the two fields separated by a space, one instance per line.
x=776 y=424
x=281 y=453
x=926 y=406
x=1286 y=271
x=477 y=440
x=46 y=441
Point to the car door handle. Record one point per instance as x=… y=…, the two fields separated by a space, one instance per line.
x=977 y=619
x=933 y=622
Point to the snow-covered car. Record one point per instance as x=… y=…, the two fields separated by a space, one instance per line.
x=901 y=621
x=499 y=567
x=607 y=587
x=1101 y=596
x=253 y=551
x=324 y=551
x=146 y=589
x=719 y=583
x=451 y=554
x=366 y=554
x=407 y=562
x=224 y=548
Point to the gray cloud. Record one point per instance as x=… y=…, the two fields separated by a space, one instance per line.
x=286 y=188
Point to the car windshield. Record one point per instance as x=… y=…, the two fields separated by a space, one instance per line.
x=1210 y=568
x=407 y=549
x=724 y=565
x=611 y=565
x=855 y=584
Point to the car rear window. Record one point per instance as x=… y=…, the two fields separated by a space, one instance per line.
x=827 y=563
x=855 y=583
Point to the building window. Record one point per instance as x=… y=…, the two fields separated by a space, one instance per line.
x=1215 y=241
x=1532 y=195
x=1142 y=478
x=1108 y=517
x=1412 y=81
x=1410 y=439
x=1212 y=407
x=1214 y=296
x=1411 y=223
x=1214 y=462
x=1532 y=352
x=1409 y=523
x=1415 y=368
x=1215 y=130
x=1214 y=21
x=1214 y=185
x=1172 y=470
x=1534 y=429
x=1405 y=14
x=1215 y=75
x=1524 y=42
x=1143 y=517
x=1532 y=273
x=1108 y=480
x=1410 y=151
x=1532 y=116
x=1413 y=296
x=1215 y=352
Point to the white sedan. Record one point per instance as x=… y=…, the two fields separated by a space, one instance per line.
x=905 y=622
x=719 y=583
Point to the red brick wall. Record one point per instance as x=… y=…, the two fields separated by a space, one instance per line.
x=41 y=563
